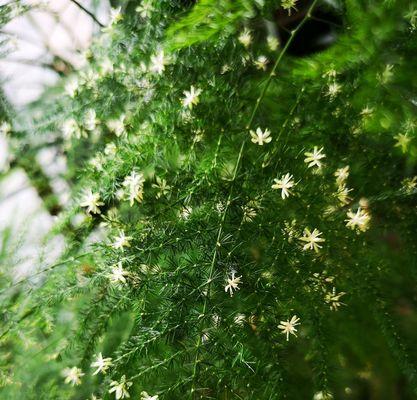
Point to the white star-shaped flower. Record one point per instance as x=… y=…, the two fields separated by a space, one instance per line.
x=162 y=187
x=91 y=201
x=106 y=66
x=359 y=220
x=73 y=375
x=5 y=128
x=133 y=184
x=342 y=194
x=323 y=395
x=146 y=396
x=245 y=37
x=341 y=175
x=70 y=129
x=102 y=364
x=313 y=159
x=333 y=90
x=333 y=299
x=261 y=62
x=145 y=9
x=191 y=97
x=233 y=283
x=158 y=62
x=367 y=111
x=118 y=274
x=239 y=319
x=273 y=43
x=289 y=326
x=115 y=15
x=285 y=184
x=121 y=241
x=117 y=126
x=71 y=86
x=403 y=140
x=260 y=137
x=90 y=120
x=288 y=5
x=120 y=389
x=312 y=239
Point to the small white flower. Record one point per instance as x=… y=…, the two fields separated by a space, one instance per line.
x=245 y=38
x=5 y=128
x=272 y=42
x=117 y=126
x=120 y=389
x=71 y=86
x=313 y=159
x=403 y=140
x=250 y=211
x=191 y=97
x=261 y=62
x=91 y=201
x=323 y=395
x=312 y=239
x=115 y=16
x=145 y=9
x=120 y=194
x=359 y=220
x=288 y=5
x=341 y=175
x=199 y=135
x=70 y=129
x=102 y=364
x=367 y=111
x=121 y=241
x=133 y=185
x=118 y=274
x=333 y=299
x=110 y=149
x=409 y=185
x=333 y=90
x=146 y=396
x=233 y=283
x=106 y=67
x=285 y=184
x=73 y=375
x=186 y=212
x=97 y=162
x=343 y=194
x=89 y=78
x=158 y=62
x=205 y=337
x=239 y=319
x=90 y=120
x=216 y=319
x=289 y=326
x=260 y=137
x=162 y=187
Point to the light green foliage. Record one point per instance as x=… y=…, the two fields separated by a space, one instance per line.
x=192 y=208
x=207 y=20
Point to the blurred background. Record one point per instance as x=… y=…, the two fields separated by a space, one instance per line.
x=45 y=43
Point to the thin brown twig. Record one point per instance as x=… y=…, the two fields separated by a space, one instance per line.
x=88 y=12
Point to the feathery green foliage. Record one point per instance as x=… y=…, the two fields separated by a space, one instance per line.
x=198 y=245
